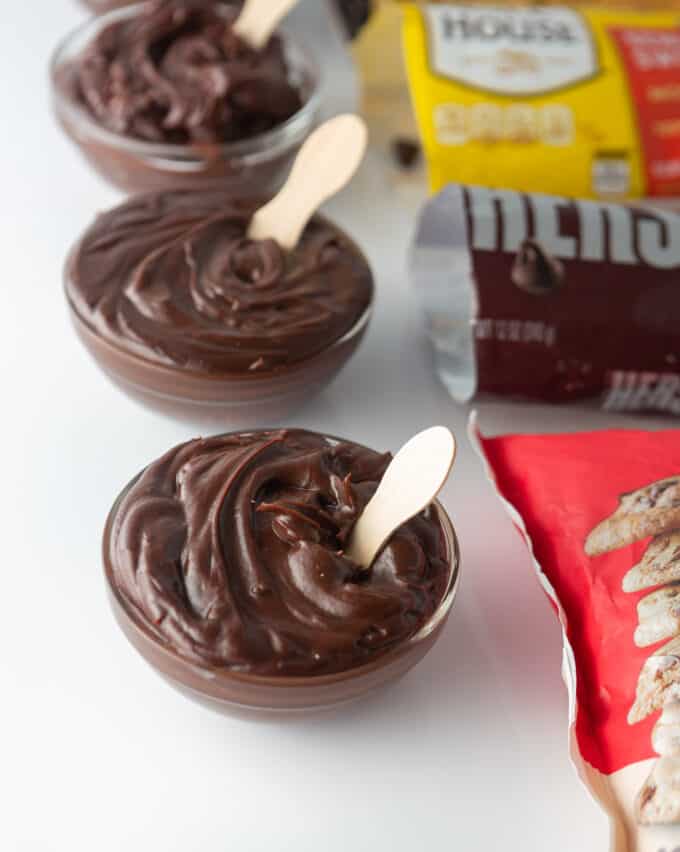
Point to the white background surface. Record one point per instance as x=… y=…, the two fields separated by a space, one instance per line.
x=469 y=752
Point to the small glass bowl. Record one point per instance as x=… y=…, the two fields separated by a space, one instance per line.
x=255 y=167
x=219 y=400
x=236 y=693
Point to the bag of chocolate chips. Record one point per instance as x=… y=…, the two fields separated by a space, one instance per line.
x=600 y=513
x=548 y=299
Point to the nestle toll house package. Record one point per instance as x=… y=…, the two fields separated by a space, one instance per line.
x=577 y=101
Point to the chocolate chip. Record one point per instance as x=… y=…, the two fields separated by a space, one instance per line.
x=355 y=13
x=406 y=152
x=535 y=271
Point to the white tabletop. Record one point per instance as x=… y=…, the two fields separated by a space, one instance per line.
x=468 y=752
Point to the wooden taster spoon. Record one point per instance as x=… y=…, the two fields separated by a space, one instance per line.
x=411 y=482
x=259 y=18
x=325 y=164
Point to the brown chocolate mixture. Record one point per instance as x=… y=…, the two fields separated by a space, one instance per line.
x=230 y=552
x=171 y=277
x=177 y=73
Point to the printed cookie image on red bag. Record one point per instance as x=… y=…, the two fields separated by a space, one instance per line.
x=600 y=513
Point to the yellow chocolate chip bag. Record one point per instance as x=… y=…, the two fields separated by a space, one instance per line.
x=570 y=101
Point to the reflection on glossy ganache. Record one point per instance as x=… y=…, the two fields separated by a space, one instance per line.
x=172 y=278
x=229 y=551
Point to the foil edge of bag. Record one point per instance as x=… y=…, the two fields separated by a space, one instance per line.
x=441 y=270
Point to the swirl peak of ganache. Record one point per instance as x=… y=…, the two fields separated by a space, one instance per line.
x=230 y=552
x=173 y=278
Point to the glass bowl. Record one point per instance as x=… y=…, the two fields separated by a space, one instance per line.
x=241 y=694
x=220 y=400
x=249 y=168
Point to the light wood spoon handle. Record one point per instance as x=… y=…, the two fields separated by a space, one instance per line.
x=259 y=18
x=326 y=163
x=411 y=482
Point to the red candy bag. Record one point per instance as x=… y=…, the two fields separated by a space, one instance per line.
x=600 y=512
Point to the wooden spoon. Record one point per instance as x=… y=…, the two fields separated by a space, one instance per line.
x=411 y=482
x=258 y=20
x=325 y=164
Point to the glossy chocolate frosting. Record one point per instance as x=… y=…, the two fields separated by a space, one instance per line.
x=177 y=73
x=170 y=277
x=229 y=551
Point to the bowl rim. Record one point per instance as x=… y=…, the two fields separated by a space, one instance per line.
x=240 y=377
x=214 y=673
x=255 y=149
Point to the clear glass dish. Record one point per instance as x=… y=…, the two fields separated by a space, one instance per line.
x=236 y=693
x=219 y=400
x=254 y=167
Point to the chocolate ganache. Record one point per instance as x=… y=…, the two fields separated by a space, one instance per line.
x=177 y=73
x=172 y=278
x=229 y=551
